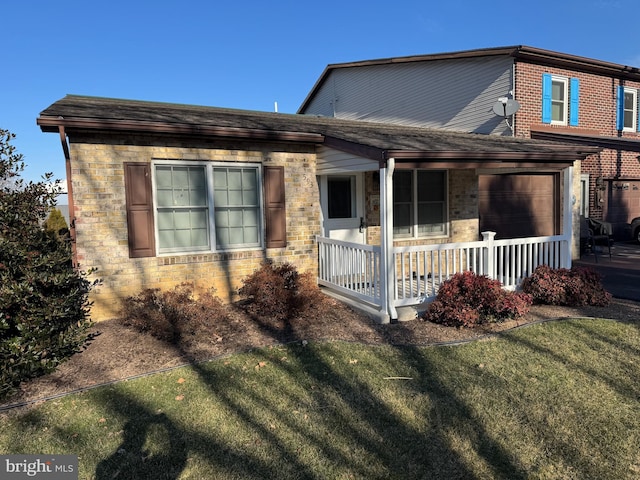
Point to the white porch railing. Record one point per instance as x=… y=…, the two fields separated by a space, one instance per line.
x=420 y=270
x=354 y=269
x=350 y=268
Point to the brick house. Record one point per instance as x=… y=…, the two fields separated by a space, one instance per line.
x=562 y=98
x=161 y=194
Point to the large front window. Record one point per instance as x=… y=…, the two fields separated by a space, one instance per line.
x=419 y=203
x=205 y=207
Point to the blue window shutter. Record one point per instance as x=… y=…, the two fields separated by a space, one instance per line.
x=546 y=98
x=574 y=103
x=620 y=108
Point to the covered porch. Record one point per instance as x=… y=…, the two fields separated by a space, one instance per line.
x=389 y=249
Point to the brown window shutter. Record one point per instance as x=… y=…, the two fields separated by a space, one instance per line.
x=137 y=185
x=275 y=214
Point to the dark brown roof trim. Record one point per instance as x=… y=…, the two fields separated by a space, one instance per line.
x=476 y=164
x=569 y=155
x=52 y=124
x=601 y=141
x=462 y=159
x=574 y=62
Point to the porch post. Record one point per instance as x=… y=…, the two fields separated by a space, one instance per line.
x=567 y=219
x=387 y=275
x=489 y=254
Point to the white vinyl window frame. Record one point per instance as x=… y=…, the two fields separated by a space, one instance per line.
x=418 y=206
x=630 y=110
x=214 y=209
x=559 y=100
x=584 y=195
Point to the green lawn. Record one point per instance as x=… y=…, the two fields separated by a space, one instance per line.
x=556 y=400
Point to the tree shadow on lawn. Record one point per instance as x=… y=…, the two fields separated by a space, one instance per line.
x=343 y=426
x=351 y=428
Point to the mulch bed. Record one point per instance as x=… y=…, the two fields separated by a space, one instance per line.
x=120 y=352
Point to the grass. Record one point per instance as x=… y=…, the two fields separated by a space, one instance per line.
x=557 y=400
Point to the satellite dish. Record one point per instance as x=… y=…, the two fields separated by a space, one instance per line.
x=505 y=107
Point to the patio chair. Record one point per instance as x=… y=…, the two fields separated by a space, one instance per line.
x=599 y=235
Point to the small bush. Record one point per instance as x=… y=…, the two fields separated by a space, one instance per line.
x=576 y=287
x=173 y=315
x=467 y=299
x=279 y=291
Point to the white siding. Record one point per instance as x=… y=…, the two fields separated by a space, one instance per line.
x=456 y=94
x=330 y=161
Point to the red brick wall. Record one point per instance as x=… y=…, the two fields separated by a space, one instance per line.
x=597 y=116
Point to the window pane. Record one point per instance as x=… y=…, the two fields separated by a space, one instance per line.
x=249 y=179
x=163 y=177
x=628 y=119
x=431 y=218
x=235 y=197
x=558 y=101
x=250 y=217
x=180 y=179
x=557 y=91
x=402 y=186
x=557 y=112
x=431 y=186
x=165 y=238
x=251 y=235
x=402 y=221
x=340 y=197
x=234 y=179
x=250 y=197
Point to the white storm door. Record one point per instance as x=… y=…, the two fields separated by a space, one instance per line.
x=343 y=207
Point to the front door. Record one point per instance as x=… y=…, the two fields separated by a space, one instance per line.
x=342 y=199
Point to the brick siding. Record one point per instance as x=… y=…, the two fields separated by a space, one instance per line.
x=597 y=116
x=101 y=228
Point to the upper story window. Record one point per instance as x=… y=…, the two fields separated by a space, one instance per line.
x=560 y=100
x=202 y=207
x=627 y=109
x=419 y=203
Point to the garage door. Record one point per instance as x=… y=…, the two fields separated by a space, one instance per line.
x=518 y=205
x=622 y=203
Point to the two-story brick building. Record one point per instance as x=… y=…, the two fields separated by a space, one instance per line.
x=561 y=98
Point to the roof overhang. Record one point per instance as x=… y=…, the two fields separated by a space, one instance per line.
x=561 y=157
x=53 y=124
x=586 y=138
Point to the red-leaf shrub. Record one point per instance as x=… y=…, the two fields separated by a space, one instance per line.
x=576 y=287
x=468 y=299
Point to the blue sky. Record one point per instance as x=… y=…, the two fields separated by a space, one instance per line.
x=251 y=54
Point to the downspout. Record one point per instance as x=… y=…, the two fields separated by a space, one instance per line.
x=387 y=260
x=72 y=211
